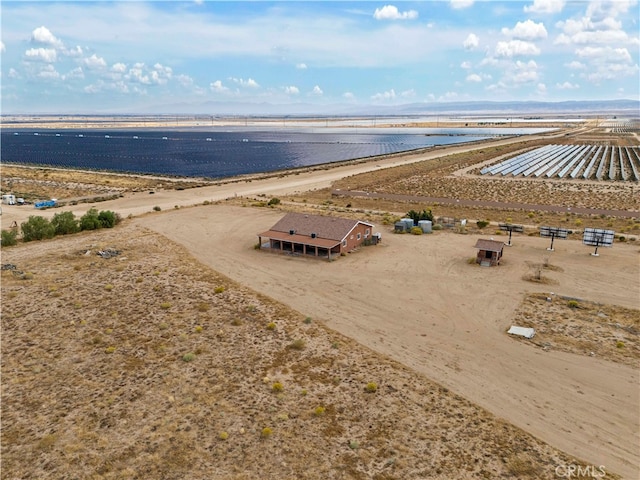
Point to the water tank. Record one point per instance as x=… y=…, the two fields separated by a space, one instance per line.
x=425 y=225
x=408 y=222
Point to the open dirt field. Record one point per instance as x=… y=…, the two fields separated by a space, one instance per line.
x=150 y=365
x=417 y=300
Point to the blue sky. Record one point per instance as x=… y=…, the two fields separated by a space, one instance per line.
x=127 y=56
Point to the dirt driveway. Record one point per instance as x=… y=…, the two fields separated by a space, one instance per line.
x=417 y=300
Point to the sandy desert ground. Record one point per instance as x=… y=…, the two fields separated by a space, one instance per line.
x=416 y=300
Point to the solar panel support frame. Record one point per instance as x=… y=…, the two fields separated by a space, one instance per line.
x=507 y=227
x=597 y=237
x=553 y=232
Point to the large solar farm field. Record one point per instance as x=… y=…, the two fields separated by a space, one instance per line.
x=589 y=162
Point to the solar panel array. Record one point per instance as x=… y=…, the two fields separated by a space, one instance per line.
x=598 y=237
x=572 y=161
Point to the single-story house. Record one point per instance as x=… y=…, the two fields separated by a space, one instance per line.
x=317 y=235
x=489 y=252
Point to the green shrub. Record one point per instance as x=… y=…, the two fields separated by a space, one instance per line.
x=189 y=357
x=90 y=220
x=308 y=320
x=9 y=238
x=619 y=344
x=417 y=216
x=156 y=208
x=218 y=289
x=271 y=326
x=371 y=387
x=107 y=218
x=482 y=223
x=277 y=387
x=223 y=435
x=65 y=223
x=266 y=432
x=319 y=411
x=37 y=228
x=298 y=344
x=572 y=304
x=274 y=201
x=416 y=231
x=437 y=226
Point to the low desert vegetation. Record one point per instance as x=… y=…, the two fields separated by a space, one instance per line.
x=210 y=383
x=582 y=327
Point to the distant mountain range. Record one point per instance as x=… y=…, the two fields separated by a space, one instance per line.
x=587 y=108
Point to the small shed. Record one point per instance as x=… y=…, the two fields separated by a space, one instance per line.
x=489 y=252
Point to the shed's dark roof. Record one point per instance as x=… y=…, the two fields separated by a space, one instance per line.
x=489 y=245
x=330 y=228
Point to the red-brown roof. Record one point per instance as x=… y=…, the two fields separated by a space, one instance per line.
x=327 y=230
x=489 y=245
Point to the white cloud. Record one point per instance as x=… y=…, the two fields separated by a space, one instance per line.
x=75 y=73
x=248 y=83
x=575 y=65
x=474 y=78
x=184 y=80
x=317 y=90
x=95 y=62
x=301 y=66
x=348 y=95
x=74 y=52
x=411 y=93
x=471 y=42
x=523 y=72
x=40 y=54
x=605 y=54
x=13 y=73
x=514 y=48
x=48 y=72
x=527 y=30
x=448 y=96
x=218 y=87
x=44 y=36
x=119 y=68
x=390 y=12
x=2 y=47
x=545 y=6
x=567 y=86
x=460 y=4
x=465 y=65
x=291 y=90
x=388 y=95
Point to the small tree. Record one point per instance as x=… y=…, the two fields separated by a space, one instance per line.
x=274 y=201
x=90 y=220
x=65 y=223
x=37 y=228
x=482 y=223
x=107 y=218
x=417 y=216
x=9 y=238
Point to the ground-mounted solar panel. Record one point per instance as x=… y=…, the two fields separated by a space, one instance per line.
x=598 y=237
x=553 y=233
x=634 y=161
x=587 y=170
x=603 y=162
x=623 y=172
x=508 y=227
x=612 y=165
